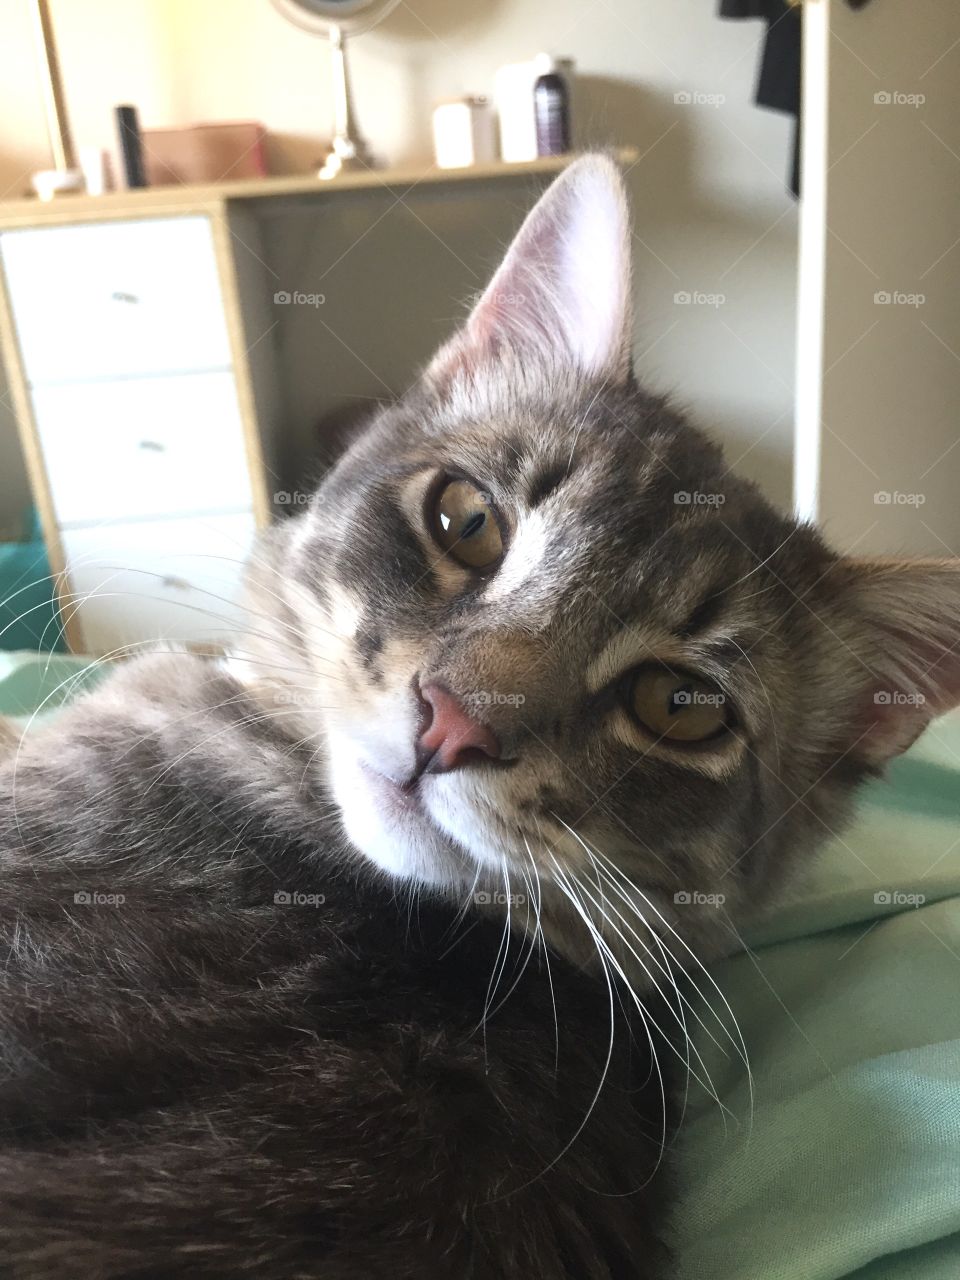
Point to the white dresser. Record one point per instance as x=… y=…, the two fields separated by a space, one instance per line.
x=125 y=352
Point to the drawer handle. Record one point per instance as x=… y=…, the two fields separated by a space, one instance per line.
x=118 y=295
x=154 y=446
x=173 y=583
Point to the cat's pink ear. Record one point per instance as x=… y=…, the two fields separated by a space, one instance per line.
x=900 y=634
x=561 y=298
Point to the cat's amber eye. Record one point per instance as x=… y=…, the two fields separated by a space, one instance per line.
x=466 y=526
x=677 y=706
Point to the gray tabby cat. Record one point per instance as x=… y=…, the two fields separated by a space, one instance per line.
x=350 y=957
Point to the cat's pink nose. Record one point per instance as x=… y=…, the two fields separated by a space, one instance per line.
x=452 y=737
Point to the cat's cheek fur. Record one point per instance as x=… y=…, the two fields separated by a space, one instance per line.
x=522 y=568
x=378 y=727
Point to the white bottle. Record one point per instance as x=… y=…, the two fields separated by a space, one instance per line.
x=464 y=133
x=513 y=94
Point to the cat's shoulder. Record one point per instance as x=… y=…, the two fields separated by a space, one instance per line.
x=150 y=692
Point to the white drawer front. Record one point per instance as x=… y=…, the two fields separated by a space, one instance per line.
x=158 y=580
x=143 y=447
x=113 y=298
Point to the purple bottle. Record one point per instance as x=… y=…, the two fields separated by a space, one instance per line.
x=551 y=106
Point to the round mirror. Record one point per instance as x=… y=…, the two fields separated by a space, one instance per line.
x=352 y=16
x=337 y=19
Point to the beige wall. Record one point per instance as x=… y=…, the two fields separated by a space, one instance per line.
x=878 y=442
x=712 y=215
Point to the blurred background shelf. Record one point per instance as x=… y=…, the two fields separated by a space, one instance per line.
x=208 y=197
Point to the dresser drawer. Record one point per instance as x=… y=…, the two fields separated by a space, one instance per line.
x=157 y=580
x=116 y=298
x=143 y=447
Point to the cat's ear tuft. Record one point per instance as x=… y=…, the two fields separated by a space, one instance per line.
x=900 y=628
x=562 y=296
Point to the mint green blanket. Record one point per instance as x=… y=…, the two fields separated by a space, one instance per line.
x=849 y=1003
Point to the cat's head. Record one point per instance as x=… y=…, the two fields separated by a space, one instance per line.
x=549 y=631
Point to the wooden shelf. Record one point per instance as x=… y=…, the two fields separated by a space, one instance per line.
x=207 y=198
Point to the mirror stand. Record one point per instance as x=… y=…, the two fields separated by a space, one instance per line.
x=348 y=149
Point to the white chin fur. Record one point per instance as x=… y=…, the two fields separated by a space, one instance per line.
x=454 y=807
x=405 y=844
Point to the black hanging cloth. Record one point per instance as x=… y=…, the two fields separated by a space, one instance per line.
x=778 y=84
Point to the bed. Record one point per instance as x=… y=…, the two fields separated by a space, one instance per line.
x=847 y=1163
